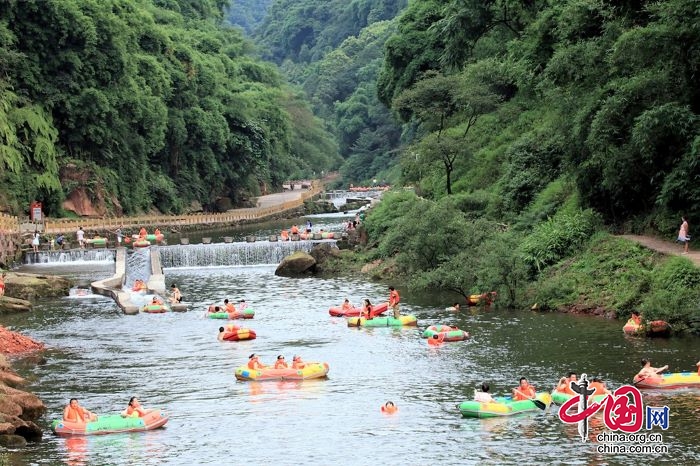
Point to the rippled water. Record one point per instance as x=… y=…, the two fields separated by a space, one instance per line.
x=174 y=361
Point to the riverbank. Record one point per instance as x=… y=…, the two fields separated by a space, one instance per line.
x=609 y=278
x=19 y=410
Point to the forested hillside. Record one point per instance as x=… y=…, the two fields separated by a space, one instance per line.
x=247 y=14
x=511 y=96
x=142 y=104
x=334 y=50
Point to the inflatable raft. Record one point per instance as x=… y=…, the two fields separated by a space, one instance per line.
x=445 y=333
x=654 y=328
x=484 y=298
x=111 y=424
x=382 y=321
x=247 y=313
x=141 y=243
x=669 y=381
x=356 y=311
x=233 y=333
x=312 y=370
x=154 y=308
x=503 y=406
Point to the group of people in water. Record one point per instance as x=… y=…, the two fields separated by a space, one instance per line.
x=525 y=391
x=280 y=363
x=367 y=307
x=73 y=412
x=229 y=307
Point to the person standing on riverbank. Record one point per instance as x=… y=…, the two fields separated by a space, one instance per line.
x=119 y=234
x=683 y=236
x=35 y=242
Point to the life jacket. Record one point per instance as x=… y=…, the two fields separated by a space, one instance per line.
x=254 y=364
x=346 y=306
x=394 y=298
x=295 y=230
x=230 y=307
x=280 y=364
x=130 y=411
x=298 y=364
x=599 y=389
x=566 y=387
x=75 y=414
x=529 y=391
x=367 y=312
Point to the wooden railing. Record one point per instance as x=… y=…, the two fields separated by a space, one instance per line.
x=9 y=223
x=54 y=226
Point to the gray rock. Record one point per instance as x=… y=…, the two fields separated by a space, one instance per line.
x=295 y=265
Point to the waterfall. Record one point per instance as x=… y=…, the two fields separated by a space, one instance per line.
x=138 y=266
x=230 y=254
x=72 y=255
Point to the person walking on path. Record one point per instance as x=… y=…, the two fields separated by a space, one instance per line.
x=119 y=234
x=683 y=236
x=35 y=242
x=394 y=301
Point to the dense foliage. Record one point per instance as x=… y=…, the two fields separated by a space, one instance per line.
x=247 y=14
x=599 y=92
x=334 y=50
x=143 y=104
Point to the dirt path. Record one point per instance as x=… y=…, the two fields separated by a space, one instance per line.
x=664 y=247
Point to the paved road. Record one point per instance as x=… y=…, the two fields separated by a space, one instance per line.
x=664 y=247
x=279 y=198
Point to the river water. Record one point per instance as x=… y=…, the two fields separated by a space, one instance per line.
x=174 y=361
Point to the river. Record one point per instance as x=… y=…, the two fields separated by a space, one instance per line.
x=174 y=361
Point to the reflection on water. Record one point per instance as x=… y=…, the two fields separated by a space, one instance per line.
x=174 y=361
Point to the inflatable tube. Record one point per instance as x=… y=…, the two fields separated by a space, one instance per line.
x=247 y=313
x=356 y=311
x=446 y=333
x=312 y=370
x=654 y=328
x=157 y=238
x=239 y=334
x=503 y=406
x=154 y=308
x=484 y=298
x=141 y=243
x=669 y=381
x=111 y=424
x=382 y=321
x=327 y=235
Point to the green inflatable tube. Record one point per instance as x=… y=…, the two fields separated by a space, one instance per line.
x=560 y=398
x=382 y=321
x=502 y=406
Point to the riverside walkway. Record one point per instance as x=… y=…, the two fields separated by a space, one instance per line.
x=267 y=206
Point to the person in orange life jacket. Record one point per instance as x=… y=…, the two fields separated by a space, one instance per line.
x=483 y=396
x=636 y=318
x=564 y=383
x=284 y=235
x=143 y=233
x=229 y=307
x=297 y=363
x=346 y=305
x=367 y=310
x=394 y=301
x=156 y=300
x=524 y=391
x=76 y=413
x=254 y=362
x=280 y=363
x=599 y=386
x=295 y=230
x=134 y=409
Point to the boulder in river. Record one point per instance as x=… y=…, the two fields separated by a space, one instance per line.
x=297 y=264
x=29 y=286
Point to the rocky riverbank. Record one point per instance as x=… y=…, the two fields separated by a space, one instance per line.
x=19 y=410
